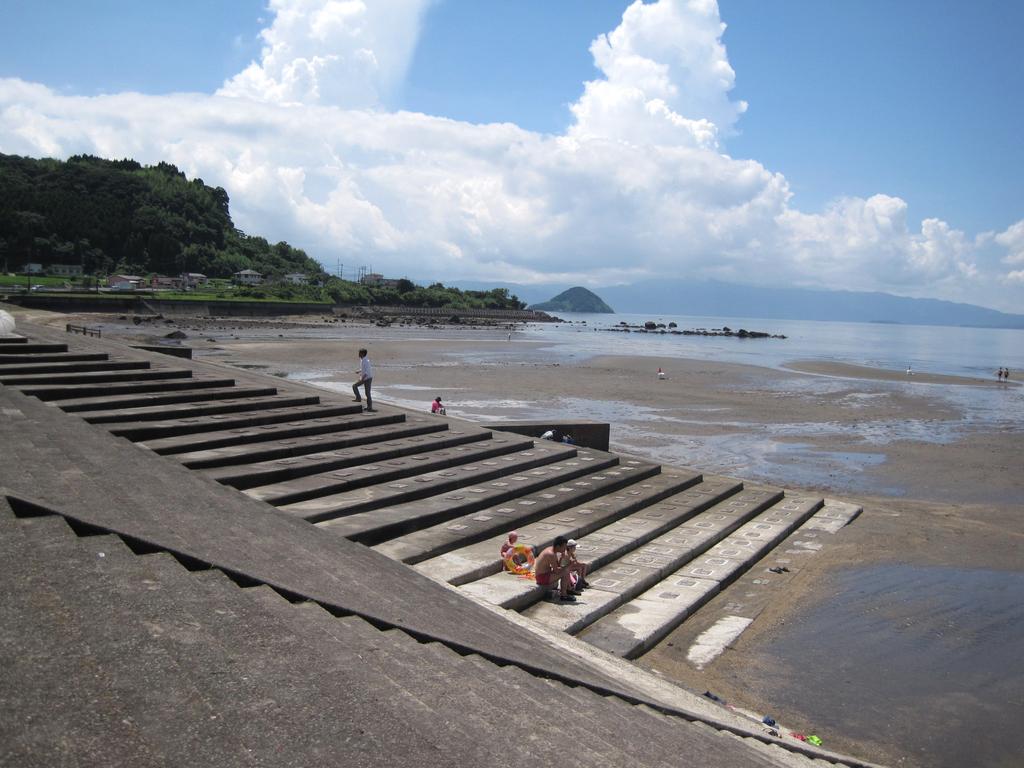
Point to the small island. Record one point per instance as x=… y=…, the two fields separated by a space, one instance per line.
x=652 y=327
x=576 y=299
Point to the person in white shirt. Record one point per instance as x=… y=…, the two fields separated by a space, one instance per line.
x=365 y=380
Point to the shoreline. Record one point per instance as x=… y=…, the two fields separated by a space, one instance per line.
x=850 y=371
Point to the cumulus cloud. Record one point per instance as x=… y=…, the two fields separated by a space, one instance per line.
x=346 y=53
x=1013 y=240
x=666 y=78
x=637 y=187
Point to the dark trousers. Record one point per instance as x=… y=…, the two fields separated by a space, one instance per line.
x=365 y=384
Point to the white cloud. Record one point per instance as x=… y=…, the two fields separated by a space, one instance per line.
x=637 y=187
x=666 y=78
x=1013 y=240
x=346 y=53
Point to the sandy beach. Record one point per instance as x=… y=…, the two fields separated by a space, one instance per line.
x=940 y=491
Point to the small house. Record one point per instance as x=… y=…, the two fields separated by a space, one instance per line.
x=248 y=277
x=66 y=270
x=192 y=279
x=162 y=282
x=124 y=282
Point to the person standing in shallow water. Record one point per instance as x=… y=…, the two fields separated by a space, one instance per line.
x=365 y=380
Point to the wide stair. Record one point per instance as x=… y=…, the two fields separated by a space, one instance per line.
x=157 y=627
x=439 y=495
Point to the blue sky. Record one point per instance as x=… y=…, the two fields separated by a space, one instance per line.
x=850 y=106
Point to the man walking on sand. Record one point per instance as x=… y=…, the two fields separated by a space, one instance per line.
x=547 y=570
x=365 y=380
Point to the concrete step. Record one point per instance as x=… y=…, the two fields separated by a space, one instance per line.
x=425 y=485
x=69 y=391
x=471 y=528
x=833 y=516
x=203 y=626
x=45 y=531
x=602 y=734
x=529 y=700
x=635 y=732
x=376 y=526
x=239 y=404
x=68 y=357
x=776 y=754
x=593 y=739
x=661 y=605
x=13 y=340
x=180 y=444
x=263 y=473
x=475 y=561
x=440 y=668
x=217 y=615
x=53 y=380
x=370 y=515
x=378 y=429
x=103 y=602
x=38 y=369
x=370 y=473
x=24 y=346
x=153 y=431
x=398 y=660
x=112 y=404
x=693 y=520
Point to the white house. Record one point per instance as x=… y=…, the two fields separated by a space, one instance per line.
x=66 y=270
x=297 y=278
x=248 y=277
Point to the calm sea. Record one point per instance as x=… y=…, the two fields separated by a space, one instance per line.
x=929 y=349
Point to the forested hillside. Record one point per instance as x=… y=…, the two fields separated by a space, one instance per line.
x=117 y=215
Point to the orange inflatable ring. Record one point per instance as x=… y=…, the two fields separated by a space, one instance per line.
x=520 y=560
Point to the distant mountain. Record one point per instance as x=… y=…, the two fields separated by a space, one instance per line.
x=709 y=297
x=576 y=299
x=716 y=299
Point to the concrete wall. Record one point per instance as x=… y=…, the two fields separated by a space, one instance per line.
x=589 y=434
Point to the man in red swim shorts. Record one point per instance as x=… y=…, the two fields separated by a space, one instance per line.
x=548 y=571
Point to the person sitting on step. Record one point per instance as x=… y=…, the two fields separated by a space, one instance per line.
x=548 y=570
x=509 y=546
x=578 y=570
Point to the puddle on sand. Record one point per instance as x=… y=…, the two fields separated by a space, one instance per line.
x=927 y=662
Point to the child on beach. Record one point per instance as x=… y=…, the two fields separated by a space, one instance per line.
x=509 y=546
x=437 y=408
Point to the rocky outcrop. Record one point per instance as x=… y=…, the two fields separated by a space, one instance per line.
x=652 y=327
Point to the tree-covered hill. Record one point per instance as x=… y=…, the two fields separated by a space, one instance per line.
x=117 y=215
x=576 y=299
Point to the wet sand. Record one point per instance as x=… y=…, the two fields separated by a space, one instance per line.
x=935 y=462
x=845 y=370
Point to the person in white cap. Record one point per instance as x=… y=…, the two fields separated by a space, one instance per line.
x=577 y=570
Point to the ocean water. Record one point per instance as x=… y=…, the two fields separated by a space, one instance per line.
x=924 y=659
x=946 y=350
x=790 y=453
